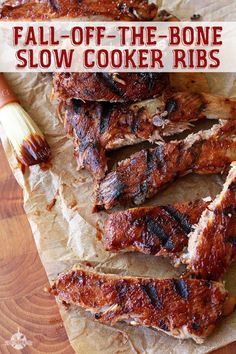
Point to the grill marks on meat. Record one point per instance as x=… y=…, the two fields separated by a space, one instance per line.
x=180 y=218
x=182 y=308
x=106 y=87
x=51 y=9
x=181 y=287
x=101 y=126
x=98 y=127
x=151 y=292
x=148 y=171
x=80 y=123
x=212 y=246
x=211 y=243
x=187 y=106
x=142 y=229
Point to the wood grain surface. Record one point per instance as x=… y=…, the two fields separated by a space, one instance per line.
x=23 y=303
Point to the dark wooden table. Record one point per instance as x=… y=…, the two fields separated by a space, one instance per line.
x=24 y=306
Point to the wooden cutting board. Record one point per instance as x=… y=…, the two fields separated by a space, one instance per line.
x=24 y=305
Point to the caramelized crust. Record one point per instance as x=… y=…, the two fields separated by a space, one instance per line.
x=182 y=308
x=212 y=245
x=148 y=171
x=122 y=87
x=101 y=126
x=52 y=9
x=160 y=231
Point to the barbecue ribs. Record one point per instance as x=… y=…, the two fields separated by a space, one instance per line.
x=148 y=171
x=159 y=231
x=101 y=126
x=183 y=308
x=212 y=244
x=111 y=87
x=52 y=9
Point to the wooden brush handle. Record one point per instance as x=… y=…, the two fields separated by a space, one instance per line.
x=6 y=94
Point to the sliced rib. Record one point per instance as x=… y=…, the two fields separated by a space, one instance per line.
x=101 y=126
x=148 y=171
x=122 y=87
x=181 y=308
x=212 y=245
x=159 y=231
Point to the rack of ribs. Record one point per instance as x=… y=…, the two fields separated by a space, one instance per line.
x=129 y=10
x=148 y=171
x=183 y=308
x=101 y=126
x=212 y=244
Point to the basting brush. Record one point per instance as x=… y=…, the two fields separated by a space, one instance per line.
x=26 y=138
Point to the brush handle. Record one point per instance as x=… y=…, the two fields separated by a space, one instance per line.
x=6 y=94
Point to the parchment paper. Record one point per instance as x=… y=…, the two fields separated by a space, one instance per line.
x=67 y=233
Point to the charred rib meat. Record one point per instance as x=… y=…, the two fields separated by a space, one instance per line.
x=148 y=171
x=51 y=9
x=196 y=305
x=160 y=231
x=122 y=87
x=212 y=245
x=101 y=126
x=208 y=229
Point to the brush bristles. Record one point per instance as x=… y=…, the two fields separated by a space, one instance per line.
x=26 y=138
